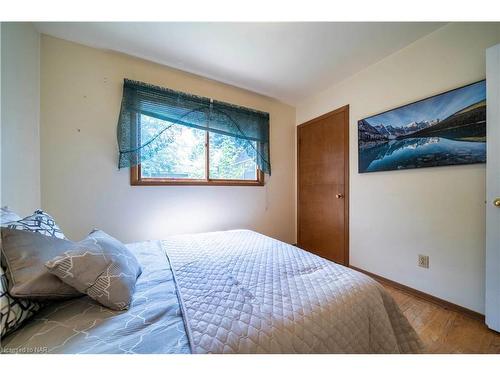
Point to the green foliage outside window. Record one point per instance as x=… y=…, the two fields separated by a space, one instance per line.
x=180 y=153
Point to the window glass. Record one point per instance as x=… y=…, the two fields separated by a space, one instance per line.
x=181 y=152
x=231 y=158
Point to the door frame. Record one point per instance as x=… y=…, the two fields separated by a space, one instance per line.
x=345 y=110
x=492 y=282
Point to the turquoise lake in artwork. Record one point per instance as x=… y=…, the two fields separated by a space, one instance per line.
x=420 y=152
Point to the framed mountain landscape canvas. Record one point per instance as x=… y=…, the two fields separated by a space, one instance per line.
x=445 y=129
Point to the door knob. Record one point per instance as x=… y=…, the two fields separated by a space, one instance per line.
x=339 y=196
x=496 y=202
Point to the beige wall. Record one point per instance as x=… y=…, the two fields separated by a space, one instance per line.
x=20 y=102
x=435 y=211
x=81 y=90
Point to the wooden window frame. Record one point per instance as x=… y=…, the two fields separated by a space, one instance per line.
x=137 y=180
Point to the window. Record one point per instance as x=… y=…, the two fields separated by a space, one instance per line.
x=169 y=137
x=190 y=156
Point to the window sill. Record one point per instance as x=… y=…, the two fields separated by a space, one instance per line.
x=137 y=180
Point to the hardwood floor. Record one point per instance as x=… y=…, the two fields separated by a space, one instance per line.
x=445 y=331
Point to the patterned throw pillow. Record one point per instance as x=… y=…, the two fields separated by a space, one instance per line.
x=40 y=222
x=13 y=311
x=102 y=267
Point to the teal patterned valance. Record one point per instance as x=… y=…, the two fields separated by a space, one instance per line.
x=174 y=107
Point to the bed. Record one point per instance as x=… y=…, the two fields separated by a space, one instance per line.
x=227 y=292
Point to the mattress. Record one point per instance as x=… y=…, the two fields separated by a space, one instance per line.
x=228 y=292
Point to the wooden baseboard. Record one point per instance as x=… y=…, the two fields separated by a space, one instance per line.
x=427 y=297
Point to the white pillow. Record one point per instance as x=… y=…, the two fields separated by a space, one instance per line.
x=40 y=222
x=7 y=215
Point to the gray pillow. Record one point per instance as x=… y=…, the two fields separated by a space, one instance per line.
x=102 y=267
x=13 y=311
x=16 y=311
x=24 y=254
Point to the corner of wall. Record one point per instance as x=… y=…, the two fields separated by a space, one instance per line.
x=20 y=117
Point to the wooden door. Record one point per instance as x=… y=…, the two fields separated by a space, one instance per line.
x=323 y=185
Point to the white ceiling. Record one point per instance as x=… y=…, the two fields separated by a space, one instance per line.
x=286 y=61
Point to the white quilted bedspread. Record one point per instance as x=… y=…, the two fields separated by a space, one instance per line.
x=243 y=292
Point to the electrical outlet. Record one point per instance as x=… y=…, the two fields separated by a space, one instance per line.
x=423 y=261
